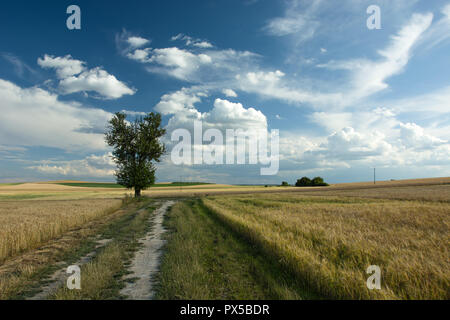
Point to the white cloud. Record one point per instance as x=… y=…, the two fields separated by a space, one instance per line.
x=140 y=55
x=74 y=77
x=65 y=66
x=134 y=113
x=440 y=30
x=19 y=66
x=298 y=20
x=273 y=84
x=178 y=102
x=92 y=166
x=364 y=139
x=137 y=42
x=432 y=103
x=223 y=115
x=200 y=62
x=96 y=80
x=203 y=44
x=179 y=63
x=229 y=93
x=190 y=41
x=226 y=114
x=369 y=76
x=414 y=137
x=35 y=117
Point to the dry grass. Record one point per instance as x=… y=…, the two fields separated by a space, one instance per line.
x=328 y=242
x=29 y=224
x=423 y=193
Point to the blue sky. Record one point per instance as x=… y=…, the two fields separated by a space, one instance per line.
x=344 y=98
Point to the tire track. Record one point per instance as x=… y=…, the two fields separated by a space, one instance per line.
x=147 y=260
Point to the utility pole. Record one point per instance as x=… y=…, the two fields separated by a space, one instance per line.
x=374 y=176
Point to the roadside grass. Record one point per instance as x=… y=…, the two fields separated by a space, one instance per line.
x=205 y=260
x=328 y=242
x=102 y=278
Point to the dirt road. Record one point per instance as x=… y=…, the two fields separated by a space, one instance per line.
x=146 y=262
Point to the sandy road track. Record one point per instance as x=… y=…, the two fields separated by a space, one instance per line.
x=147 y=260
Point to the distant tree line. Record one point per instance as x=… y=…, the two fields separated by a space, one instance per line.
x=307 y=182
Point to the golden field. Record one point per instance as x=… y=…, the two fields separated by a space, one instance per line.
x=28 y=224
x=326 y=237
x=328 y=242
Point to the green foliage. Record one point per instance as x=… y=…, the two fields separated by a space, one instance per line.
x=136 y=148
x=303 y=182
x=285 y=184
x=307 y=182
x=318 y=182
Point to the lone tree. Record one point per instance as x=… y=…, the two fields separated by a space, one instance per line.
x=136 y=148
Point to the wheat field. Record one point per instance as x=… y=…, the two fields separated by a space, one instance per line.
x=328 y=242
x=28 y=224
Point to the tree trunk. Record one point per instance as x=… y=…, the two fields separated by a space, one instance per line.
x=137 y=193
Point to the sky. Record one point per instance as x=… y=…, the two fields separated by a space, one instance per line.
x=345 y=98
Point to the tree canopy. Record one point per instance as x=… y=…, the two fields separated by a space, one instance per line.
x=137 y=147
x=307 y=182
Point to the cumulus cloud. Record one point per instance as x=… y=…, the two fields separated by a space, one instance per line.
x=96 y=80
x=137 y=42
x=65 y=66
x=140 y=55
x=414 y=137
x=134 y=113
x=75 y=77
x=95 y=166
x=36 y=117
x=190 y=41
x=364 y=139
x=179 y=63
x=180 y=105
x=348 y=144
x=180 y=101
x=198 y=62
x=226 y=114
x=229 y=93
